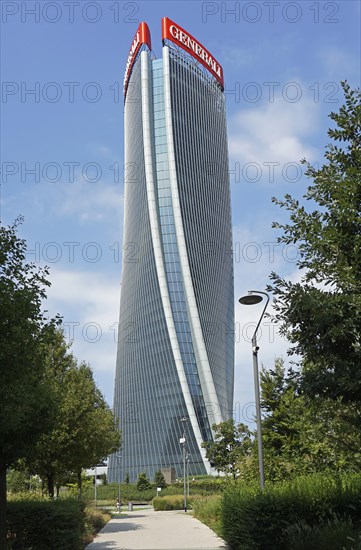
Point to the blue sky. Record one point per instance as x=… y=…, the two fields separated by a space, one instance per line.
x=62 y=143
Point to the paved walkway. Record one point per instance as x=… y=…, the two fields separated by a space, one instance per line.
x=150 y=530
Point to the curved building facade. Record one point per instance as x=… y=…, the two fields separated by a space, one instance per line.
x=175 y=345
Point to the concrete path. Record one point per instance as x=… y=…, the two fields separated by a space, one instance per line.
x=150 y=530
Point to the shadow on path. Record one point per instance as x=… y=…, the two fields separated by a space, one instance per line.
x=156 y=530
x=103 y=545
x=124 y=526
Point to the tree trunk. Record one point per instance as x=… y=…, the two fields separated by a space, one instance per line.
x=3 y=506
x=50 y=479
x=79 y=483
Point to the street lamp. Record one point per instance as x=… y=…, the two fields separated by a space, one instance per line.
x=253 y=297
x=182 y=441
x=187 y=458
x=119 y=456
x=95 y=485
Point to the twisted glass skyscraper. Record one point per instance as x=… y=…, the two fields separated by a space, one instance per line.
x=175 y=345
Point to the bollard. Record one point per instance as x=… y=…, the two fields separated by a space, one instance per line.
x=130 y=507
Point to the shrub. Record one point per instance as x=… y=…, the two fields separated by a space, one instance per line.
x=171 y=502
x=335 y=533
x=45 y=524
x=95 y=520
x=252 y=520
x=198 y=487
x=128 y=492
x=255 y=520
x=209 y=511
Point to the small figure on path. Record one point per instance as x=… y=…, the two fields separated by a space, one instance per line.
x=117 y=505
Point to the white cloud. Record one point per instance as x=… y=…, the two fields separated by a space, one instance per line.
x=255 y=257
x=338 y=65
x=90 y=293
x=80 y=201
x=91 y=202
x=273 y=132
x=105 y=150
x=90 y=305
x=99 y=150
x=239 y=57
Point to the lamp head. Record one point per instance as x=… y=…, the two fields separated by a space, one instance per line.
x=250 y=299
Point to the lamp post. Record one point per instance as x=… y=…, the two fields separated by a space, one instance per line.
x=182 y=441
x=95 y=486
x=187 y=458
x=119 y=456
x=253 y=297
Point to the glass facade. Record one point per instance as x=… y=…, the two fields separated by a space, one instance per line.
x=175 y=345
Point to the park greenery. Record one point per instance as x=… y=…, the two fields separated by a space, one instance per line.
x=311 y=421
x=231 y=444
x=314 y=512
x=159 y=480
x=55 y=422
x=321 y=314
x=64 y=524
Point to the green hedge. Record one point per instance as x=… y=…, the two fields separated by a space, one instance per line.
x=129 y=491
x=198 y=487
x=172 y=502
x=96 y=519
x=46 y=525
x=254 y=520
x=209 y=510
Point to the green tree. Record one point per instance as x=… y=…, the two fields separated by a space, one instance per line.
x=283 y=408
x=159 y=480
x=143 y=482
x=321 y=314
x=84 y=432
x=17 y=481
x=25 y=403
x=47 y=455
x=232 y=443
x=332 y=440
x=92 y=434
x=303 y=435
x=126 y=478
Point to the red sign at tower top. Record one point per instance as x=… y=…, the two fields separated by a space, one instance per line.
x=182 y=38
x=142 y=36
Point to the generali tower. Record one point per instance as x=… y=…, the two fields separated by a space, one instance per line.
x=176 y=341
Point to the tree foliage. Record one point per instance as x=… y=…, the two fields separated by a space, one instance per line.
x=304 y=435
x=321 y=314
x=283 y=408
x=159 y=480
x=92 y=434
x=84 y=432
x=52 y=414
x=25 y=404
x=300 y=435
x=232 y=443
x=143 y=482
